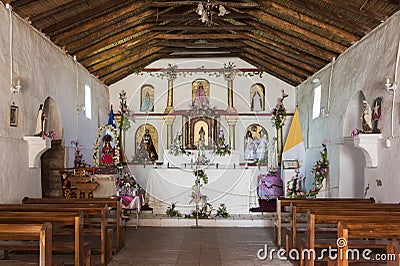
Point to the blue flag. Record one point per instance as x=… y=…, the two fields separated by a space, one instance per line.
x=111 y=120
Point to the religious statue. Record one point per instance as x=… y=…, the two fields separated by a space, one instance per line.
x=40 y=122
x=201 y=100
x=256 y=102
x=249 y=152
x=376 y=114
x=272 y=155
x=261 y=146
x=146 y=148
x=202 y=134
x=366 y=118
x=147 y=104
x=107 y=152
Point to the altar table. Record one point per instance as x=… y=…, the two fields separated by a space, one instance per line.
x=236 y=188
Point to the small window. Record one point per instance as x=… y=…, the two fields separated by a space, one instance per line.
x=317 y=102
x=88 y=102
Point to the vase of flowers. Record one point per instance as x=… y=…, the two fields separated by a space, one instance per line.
x=78 y=160
x=126 y=184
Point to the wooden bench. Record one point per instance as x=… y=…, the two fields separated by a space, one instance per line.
x=283 y=203
x=298 y=211
x=318 y=221
x=113 y=203
x=383 y=229
x=40 y=232
x=58 y=220
x=88 y=210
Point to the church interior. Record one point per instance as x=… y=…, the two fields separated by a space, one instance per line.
x=254 y=115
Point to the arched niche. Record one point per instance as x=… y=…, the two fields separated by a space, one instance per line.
x=141 y=153
x=53 y=120
x=257 y=97
x=352 y=162
x=147 y=98
x=255 y=140
x=53 y=158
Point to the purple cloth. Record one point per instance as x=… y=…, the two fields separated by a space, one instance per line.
x=270 y=185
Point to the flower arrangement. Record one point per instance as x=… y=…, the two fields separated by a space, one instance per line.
x=320 y=171
x=222 y=212
x=279 y=112
x=176 y=146
x=171 y=212
x=78 y=161
x=49 y=134
x=126 y=183
x=124 y=111
x=356 y=132
x=222 y=148
x=201 y=175
x=294 y=186
x=202 y=213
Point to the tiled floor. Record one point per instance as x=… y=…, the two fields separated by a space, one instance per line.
x=196 y=246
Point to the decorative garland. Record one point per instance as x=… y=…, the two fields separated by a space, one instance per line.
x=96 y=148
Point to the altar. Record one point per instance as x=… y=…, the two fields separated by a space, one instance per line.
x=236 y=188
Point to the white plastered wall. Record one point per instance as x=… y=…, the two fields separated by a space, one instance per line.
x=363 y=67
x=45 y=71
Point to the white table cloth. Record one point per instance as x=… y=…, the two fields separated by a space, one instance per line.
x=236 y=188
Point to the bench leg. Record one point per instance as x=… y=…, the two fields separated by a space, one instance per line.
x=88 y=257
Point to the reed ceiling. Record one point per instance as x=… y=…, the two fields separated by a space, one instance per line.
x=289 y=39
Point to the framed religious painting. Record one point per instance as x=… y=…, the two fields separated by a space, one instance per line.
x=13 y=115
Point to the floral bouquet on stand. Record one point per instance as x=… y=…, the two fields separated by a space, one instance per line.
x=294 y=186
x=177 y=146
x=222 y=148
x=279 y=112
x=320 y=171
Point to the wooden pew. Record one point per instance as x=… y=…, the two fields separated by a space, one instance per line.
x=394 y=249
x=40 y=232
x=383 y=229
x=113 y=203
x=89 y=210
x=74 y=219
x=283 y=202
x=332 y=217
x=345 y=208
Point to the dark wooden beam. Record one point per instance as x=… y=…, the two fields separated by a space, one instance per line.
x=298 y=31
x=272 y=70
x=190 y=45
x=194 y=4
x=356 y=9
x=309 y=69
x=199 y=28
x=104 y=25
x=339 y=19
x=194 y=17
x=228 y=36
x=331 y=30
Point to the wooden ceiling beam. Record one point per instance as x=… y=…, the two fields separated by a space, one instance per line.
x=202 y=50
x=279 y=63
x=199 y=28
x=278 y=56
x=85 y=15
x=230 y=54
x=357 y=9
x=293 y=47
x=194 y=17
x=119 y=74
x=195 y=3
x=227 y=36
x=104 y=25
x=119 y=55
x=91 y=59
x=298 y=31
x=334 y=16
x=118 y=64
x=267 y=67
x=193 y=45
x=50 y=15
x=312 y=22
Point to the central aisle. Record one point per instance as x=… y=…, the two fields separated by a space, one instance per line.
x=191 y=246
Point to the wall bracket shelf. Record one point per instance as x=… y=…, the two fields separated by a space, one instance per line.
x=37 y=146
x=368 y=144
